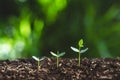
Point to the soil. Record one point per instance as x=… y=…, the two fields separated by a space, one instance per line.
x=90 y=69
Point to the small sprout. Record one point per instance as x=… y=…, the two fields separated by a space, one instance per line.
x=38 y=60
x=57 y=55
x=79 y=51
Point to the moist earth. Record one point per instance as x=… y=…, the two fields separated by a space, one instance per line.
x=90 y=69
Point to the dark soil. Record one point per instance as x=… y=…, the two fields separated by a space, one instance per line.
x=90 y=69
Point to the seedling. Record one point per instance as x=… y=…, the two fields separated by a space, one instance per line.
x=57 y=55
x=38 y=60
x=79 y=51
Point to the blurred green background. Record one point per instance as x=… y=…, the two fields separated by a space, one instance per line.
x=36 y=27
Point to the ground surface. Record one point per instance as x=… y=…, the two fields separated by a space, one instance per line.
x=90 y=69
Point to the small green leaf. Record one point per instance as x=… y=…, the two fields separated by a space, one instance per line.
x=37 y=59
x=54 y=54
x=61 y=54
x=80 y=43
x=84 y=50
x=74 y=49
x=42 y=58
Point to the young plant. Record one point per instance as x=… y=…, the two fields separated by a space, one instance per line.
x=57 y=55
x=38 y=60
x=79 y=51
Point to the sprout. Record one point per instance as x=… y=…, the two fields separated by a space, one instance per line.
x=57 y=55
x=79 y=51
x=38 y=60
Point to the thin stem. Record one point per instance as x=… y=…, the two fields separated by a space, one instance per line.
x=79 y=57
x=38 y=65
x=57 y=58
x=57 y=61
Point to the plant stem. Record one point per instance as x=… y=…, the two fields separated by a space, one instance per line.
x=57 y=61
x=79 y=57
x=57 y=58
x=38 y=65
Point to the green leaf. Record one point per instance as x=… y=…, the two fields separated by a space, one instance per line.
x=37 y=59
x=80 y=43
x=84 y=50
x=54 y=54
x=42 y=58
x=61 y=54
x=74 y=49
